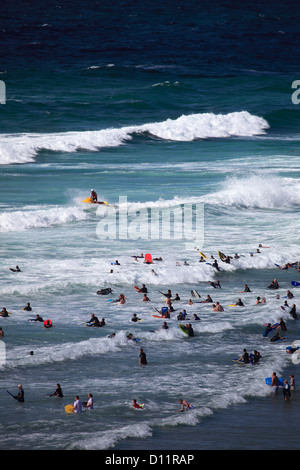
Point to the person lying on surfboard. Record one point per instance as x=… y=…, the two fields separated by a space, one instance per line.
x=185 y=405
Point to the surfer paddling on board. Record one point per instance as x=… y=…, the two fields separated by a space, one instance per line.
x=185 y=405
x=137 y=405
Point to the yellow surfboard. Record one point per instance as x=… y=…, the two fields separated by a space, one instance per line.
x=69 y=409
x=203 y=255
x=89 y=200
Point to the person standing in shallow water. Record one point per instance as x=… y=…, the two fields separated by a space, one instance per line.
x=142 y=358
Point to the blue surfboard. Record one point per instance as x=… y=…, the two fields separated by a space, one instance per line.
x=268 y=381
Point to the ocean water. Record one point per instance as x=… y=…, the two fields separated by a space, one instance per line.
x=160 y=108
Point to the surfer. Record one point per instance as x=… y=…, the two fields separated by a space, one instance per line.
x=168 y=294
x=256 y=357
x=47 y=324
x=274 y=284
x=286 y=390
x=268 y=329
x=215 y=265
x=20 y=396
x=142 y=357
x=37 y=318
x=94 y=196
x=122 y=299
x=28 y=307
x=244 y=357
x=169 y=304
x=292 y=312
x=275 y=338
x=196 y=317
x=131 y=338
x=94 y=321
x=215 y=285
x=282 y=325
x=136 y=405
x=16 y=269
x=217 y=307
x=208 y=299
x=292 y=381
x=4 y=312
x=185 y=405
x=77 y=405
x=142 y=289
x=135 y=318
x=58 y=392
x=90 y=403
x=189 y=329
x=146 y=298
x=104 y=291
x=274 y=382
x=182 y=315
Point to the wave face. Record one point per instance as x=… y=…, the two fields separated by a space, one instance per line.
x=24 y=148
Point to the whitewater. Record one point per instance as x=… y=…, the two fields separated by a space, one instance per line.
x=167 y=108
x=24 y=148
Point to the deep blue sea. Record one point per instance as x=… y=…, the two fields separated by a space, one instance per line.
x=183 y=117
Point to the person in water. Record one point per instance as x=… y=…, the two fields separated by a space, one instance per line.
x=185 y=405
x=90 y=403
x=58 y=392
x=217 y=307
x=28 y=307
x=274 y=284
x=244 y=357
x=136 y=405
x=20 y=396
x=77 y=405
x=135 y=318
x=37 y=318
x=94 y=196
x=142 y=357
x=4 y=312
x=189 y=329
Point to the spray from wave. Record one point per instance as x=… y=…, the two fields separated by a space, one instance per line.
x=23 y=148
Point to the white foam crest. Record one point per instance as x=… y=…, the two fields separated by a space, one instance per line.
x=22 y=148
x=19 y=221
x=110 y=437
x=257 y=191
x=68 y=351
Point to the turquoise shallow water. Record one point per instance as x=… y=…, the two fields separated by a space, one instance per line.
x=169 y=128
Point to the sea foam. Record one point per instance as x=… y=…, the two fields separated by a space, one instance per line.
x=19 y=221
